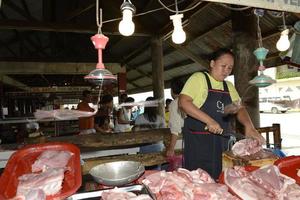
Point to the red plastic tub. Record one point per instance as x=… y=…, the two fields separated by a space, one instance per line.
x=289 y=166
x=20 y=163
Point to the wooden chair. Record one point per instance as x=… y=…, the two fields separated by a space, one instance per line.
x=275 y=130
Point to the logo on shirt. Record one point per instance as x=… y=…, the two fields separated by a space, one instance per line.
x=220 y=107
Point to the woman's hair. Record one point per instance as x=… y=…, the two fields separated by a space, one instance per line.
x=106 y=99
x=150 y=113
x=176 y=85
x=220 y=52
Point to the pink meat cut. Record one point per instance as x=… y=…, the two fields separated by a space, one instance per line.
x=265 y=183
x=117 y=194
x=49 y=181
x=246 y=147
x=51 y=159
x=186 y=185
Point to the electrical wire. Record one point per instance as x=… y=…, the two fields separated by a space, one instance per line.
x=97 y=17
x=181 y=11
x=259 y=33
x=143 y=13
x=232 y=8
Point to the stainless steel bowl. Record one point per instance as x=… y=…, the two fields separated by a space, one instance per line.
x=117 y=173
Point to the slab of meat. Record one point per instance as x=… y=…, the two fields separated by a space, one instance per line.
x=186 y=185
x=246 y=147
x=116 y=194
x=49 y=181
x=51 y=159
x=264 y=183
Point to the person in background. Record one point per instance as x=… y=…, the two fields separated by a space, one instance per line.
x=102 y=118
x=167 y=113
x=147 y=121
x=150 y=117
x=176 y=115
x=86 y=124
x=123 y=97
x=123 y=116
x=203 y=99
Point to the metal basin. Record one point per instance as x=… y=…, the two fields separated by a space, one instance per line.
x=117 y=173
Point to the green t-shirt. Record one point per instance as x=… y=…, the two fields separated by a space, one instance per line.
x=196 y=88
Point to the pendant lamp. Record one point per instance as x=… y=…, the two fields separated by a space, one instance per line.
x=261 y=80
x=100 y=74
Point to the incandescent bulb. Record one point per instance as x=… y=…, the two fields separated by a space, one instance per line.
x=283 y=43
x=126 y=25
x=178 y=35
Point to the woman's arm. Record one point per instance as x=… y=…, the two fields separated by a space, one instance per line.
x=250 y=130
x=186 y=104
x=120 y=119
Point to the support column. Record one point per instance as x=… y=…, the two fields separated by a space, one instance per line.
x=158 y=72
x=244 y=30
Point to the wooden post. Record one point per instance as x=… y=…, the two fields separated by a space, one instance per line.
x=244 y=43
x=158 y=72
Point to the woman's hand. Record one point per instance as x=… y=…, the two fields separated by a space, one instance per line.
x=214 y=127
x=253 y=133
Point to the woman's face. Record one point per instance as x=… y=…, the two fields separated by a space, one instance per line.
x=221 y=67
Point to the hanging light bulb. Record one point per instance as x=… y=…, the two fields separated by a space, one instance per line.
x=126 y=25
x=283 y=43
x=178 y=35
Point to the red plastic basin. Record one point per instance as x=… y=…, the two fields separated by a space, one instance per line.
x=289 y=166
x=20 y=163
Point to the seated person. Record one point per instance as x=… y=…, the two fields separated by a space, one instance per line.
x=123 y=122
x=104 y=114
x=103 y=125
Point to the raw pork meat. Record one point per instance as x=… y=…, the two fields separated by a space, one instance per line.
x=265 y=183
x=186 y=185
x=49 y=181
x=116 y=194
x=246 y=147
x=51 y=159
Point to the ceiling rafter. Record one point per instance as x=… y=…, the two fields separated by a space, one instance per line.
x=20 y=11
x=60 y=27
x=79 y=11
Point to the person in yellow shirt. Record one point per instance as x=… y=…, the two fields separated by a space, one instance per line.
x=167 y=113
x=203 y=99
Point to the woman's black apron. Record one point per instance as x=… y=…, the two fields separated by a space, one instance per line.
x=203 y=149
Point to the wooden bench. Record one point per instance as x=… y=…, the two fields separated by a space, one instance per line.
x=276 y=133
x=116 y=145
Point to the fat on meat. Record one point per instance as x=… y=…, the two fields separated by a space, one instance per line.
x=212 y=191
x=186 y=185
x=265 y=183
x=117 y=194
x=49 y=181
x=51 y=159
x=246 y=147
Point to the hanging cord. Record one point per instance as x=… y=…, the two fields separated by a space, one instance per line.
x=259 y=33
x=232 y=8
x=97 y=17
x=283 y=21
x=176 y=11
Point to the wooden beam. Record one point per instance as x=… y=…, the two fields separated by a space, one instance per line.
x=79 y=11
x=60 y=27
x=10 y=81
x=184 y=51
x=20 y=11
x=50 y=68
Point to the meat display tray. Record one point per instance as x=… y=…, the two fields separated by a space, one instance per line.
x=20 y=163
x=137 y=189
